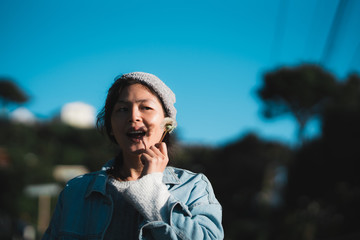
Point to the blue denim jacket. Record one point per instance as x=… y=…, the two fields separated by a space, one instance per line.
x=84 y=209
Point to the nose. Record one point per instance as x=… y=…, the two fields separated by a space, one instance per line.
x=135 y=115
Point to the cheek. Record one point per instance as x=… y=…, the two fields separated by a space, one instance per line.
x=116 y=124
x=113 y=125
x=154 y=124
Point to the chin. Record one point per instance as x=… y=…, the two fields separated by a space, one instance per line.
x=137 y=150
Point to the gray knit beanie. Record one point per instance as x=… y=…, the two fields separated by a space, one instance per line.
x=164 y=92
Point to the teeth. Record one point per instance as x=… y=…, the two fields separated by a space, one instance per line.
x=136 y=132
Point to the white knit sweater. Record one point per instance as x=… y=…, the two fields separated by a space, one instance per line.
x=148 y=195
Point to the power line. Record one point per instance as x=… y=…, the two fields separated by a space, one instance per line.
x=279 y=30
x=330 y=41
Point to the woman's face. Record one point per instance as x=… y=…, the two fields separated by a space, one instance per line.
x=136 y=119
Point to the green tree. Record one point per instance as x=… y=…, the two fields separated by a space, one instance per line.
x=10 y=93
x=302 y=91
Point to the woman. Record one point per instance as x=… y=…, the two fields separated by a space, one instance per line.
x=136 y=195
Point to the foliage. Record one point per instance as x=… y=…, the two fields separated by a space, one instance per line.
x=302 y=91
x=324 y=188
x=10 y=92
x=34 y=151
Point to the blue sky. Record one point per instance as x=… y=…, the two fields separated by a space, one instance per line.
x=213 y=54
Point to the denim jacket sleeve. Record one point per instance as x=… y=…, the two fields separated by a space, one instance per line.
x=193 y=213
x=83 y=210
x=51 y=231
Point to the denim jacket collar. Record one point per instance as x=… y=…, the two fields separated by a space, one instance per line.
x=170 y=176
x=98 y=184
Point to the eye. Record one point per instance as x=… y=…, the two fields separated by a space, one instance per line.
x=121 y=109
x=146 y=107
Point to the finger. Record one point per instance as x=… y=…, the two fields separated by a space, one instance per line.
x=162 y=148
x=150 y=151
x=143 y=142
x=152 y=158
x=156 y=151
x=145 y=158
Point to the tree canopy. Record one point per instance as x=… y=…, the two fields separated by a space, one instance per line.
x=11 y=93
x=302 y=91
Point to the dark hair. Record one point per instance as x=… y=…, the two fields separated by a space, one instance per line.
x=103 y=122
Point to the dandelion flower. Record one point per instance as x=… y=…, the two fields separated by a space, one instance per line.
x=168 y=124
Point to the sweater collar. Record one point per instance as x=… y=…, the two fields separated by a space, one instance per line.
x=99 y=181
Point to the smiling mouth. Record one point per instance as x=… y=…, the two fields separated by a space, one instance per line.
x=136 y=135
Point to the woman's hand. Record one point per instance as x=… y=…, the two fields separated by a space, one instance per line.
x=155 y=159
